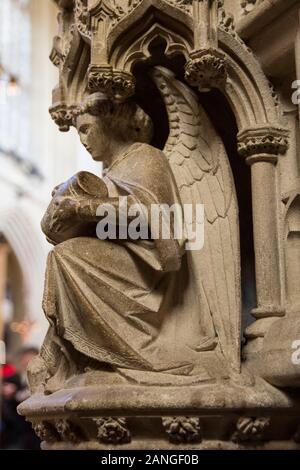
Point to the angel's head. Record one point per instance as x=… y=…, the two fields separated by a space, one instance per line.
x=105 y=127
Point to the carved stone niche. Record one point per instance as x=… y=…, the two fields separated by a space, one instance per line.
x=144 y=344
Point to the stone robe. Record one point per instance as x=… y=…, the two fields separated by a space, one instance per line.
x=120 y=302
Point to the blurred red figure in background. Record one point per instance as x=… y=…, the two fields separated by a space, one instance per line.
x=16 y=433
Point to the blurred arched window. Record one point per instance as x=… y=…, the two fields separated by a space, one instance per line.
x=15 y=66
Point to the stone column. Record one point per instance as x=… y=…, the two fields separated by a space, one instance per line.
x=261 y=147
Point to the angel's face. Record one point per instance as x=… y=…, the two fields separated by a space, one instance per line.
x=93 y=137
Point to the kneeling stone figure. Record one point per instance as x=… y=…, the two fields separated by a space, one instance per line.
x=145 y=310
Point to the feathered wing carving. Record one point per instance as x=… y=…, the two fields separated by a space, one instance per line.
x=201 y=168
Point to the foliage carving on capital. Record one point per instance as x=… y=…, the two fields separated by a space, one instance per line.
x=268 y=140
x=206 y=69
x=115 y=84
x=62 y=116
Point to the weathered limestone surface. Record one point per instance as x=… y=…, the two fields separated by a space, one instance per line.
x=146 y=347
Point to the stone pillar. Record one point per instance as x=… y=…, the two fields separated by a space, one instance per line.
x=261 y=147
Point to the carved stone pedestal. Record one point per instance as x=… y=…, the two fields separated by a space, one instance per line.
x=215 y=416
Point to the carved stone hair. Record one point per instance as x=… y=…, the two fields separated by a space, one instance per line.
x=127 y=121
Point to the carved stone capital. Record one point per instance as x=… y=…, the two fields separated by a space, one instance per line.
x=262 y=143
x=251 y=429
x=62 y=116
x=115 y=84
x=182 y=429
x=206 y=69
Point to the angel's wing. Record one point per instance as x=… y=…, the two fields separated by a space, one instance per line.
x=201 y=168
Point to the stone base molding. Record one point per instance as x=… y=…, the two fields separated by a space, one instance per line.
x=219 y=416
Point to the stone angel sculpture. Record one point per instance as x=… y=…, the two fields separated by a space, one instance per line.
x=145 y=310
